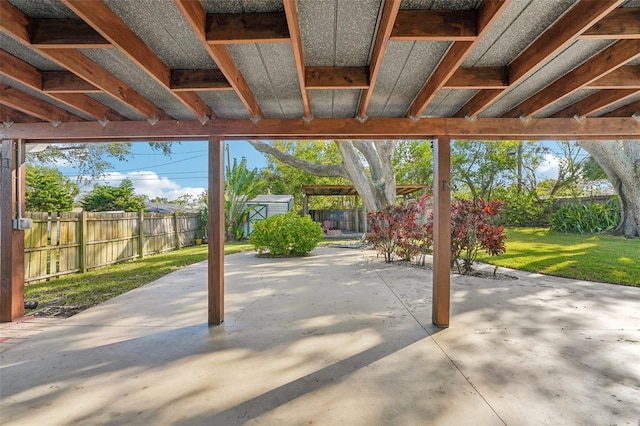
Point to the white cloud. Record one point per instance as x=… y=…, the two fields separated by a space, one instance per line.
x=150 y=184
x=549 y=167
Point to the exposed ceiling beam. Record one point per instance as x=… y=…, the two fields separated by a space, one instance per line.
x=625 y=111
x=298 y=56
x=110 y=26
x=28 y=75
x=66 y=82
x=9 y=115
x=196 y=18
x=478 y=78
x=79 y=64
x=488 y=13
x=573 y=23
x=374 y=128
x=593 y=103
x=627 y=76
x=435 y=25
x=233 y=28
x=385 y=27
x=619 y=24
x=337 y=77
x=199 y=80
x=31 y=105
x=604 y=62
x=65 y=34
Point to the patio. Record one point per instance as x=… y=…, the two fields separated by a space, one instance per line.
x=335 y=338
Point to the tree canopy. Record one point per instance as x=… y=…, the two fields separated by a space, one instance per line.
x=47 y=190
x=104 y=198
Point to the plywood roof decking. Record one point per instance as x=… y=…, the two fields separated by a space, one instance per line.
x=424 y=59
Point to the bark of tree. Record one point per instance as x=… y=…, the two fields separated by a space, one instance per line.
x=620 y=160
x=366 y=163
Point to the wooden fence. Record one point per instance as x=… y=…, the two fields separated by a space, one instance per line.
x=67 y=243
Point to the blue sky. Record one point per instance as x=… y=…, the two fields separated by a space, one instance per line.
x=184 y=171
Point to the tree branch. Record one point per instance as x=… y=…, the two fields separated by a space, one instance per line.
x=323 y=170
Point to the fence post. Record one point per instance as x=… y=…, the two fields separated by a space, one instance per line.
x=141 y=234
x=83 y=242
x=175 y=228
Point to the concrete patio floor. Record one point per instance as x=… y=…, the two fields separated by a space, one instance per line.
x=335 y=338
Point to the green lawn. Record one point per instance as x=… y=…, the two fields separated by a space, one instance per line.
x=586 y=257
x=103 y=284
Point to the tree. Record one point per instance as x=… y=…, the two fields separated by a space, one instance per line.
x=104 y=198
x=413 y=162
x=620 y=160
x=241 y=184
x=366 y=163
x=47 y=190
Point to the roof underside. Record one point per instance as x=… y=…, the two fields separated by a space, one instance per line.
x=75 y=61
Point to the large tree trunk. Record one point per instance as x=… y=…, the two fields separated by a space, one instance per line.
x=620 y=160
x=366 y=163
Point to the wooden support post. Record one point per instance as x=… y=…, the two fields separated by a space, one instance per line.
x=11 y=240
x=141 y=234
x=83 y=242
x=441 y=231
x=216 y=231
x=176 y=231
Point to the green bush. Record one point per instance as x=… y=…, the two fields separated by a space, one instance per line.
x=523 y=208
x=591 y=218
x=287 y=234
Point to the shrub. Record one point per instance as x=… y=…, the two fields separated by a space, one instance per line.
x=523 y=208
x=287 y=234
x=593 y=218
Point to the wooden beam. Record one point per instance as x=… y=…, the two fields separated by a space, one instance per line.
x=625 y=77
x=14 y=22
x=625 y=111
x=65 y=34
x=478 y=78
x=577 y=20
x=66 y=82
x=196 y=17
x=337 y=77
x=619 y=24
x=593 y=103
x=234 y=28
x=604 y=62
x=31 y=105
x=385 y=27
x=111 y=27
x=441 y=231
x=199 y=80
x=489 y=12
x=11 y=240
x=296 y=43
x=333 y=128
x=435 y=25
x=215 y=270
x=8 y=116
x=19 y=70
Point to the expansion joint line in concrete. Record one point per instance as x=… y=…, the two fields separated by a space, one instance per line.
x=264 y=288
x=432 y=337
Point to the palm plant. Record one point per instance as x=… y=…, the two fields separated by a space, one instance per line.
x=241 y=184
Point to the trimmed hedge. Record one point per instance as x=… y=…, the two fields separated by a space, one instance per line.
x=287 y=234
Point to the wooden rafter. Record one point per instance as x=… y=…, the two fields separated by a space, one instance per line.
x=593 y=103
x=619 y=24
x=604 y=62
x=200 y=80
x=389 y=14
x=489 y=12
x=625 y=111
x=196 y=17
x=627 y=76
x=31 y=105
x=296 y=44
x=8 y=116
x=577 y=20
x=374 y=128
x=478 y=78
x=65 y=82
x=65 y=34
x=337 y=77
x=234 y=28
x=111 y=27
x=435 y=25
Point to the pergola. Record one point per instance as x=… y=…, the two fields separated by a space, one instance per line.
x=140 y=70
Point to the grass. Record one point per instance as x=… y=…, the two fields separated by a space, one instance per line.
x=103 y=284
x=585 y=257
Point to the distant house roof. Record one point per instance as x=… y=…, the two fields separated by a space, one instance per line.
x=350 y=189
x=167 y=208
x=266 y=198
